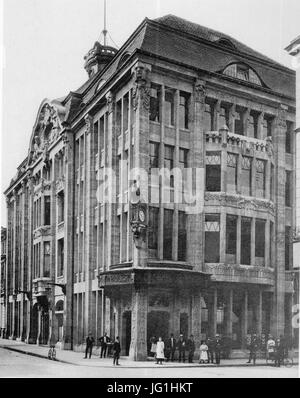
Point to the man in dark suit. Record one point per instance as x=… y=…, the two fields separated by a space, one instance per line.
x=254 y=346
x=89 y=345
x=218 y=349
x=181 y=348
x=211 y=349
x=191 y=348
x=170 y=348
x=116 y=351
x=104 y=340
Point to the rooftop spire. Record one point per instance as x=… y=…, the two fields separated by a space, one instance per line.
x=104 y=30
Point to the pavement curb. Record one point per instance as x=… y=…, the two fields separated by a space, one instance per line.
x=140 y=367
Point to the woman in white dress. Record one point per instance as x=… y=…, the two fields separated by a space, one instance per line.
x=160 y=347
x=203 y=352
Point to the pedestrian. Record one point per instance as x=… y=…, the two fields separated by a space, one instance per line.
x=218 y=348
x=191 y=348
x=104 y=340
x=89 y=345
x=153 y=346
x=116 y=351
x=254 y=345
x=203 y=352
x=171 y=348
x=211 y=349
x=160 y=347
x=271 y=348
x=181 y=348
x=279 y=352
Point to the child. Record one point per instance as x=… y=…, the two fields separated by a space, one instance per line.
x=203 y=352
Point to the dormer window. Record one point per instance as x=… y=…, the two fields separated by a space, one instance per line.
x=242 y=72
x=226 y=43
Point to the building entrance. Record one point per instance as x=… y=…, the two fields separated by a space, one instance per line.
x=158 y=325
x=126 y=332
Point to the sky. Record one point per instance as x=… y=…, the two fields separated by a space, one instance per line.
x=44 y=42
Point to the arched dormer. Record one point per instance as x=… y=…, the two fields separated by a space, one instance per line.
x=123 y=59
x=244 y=72
x=46 y=129
x=224 y=42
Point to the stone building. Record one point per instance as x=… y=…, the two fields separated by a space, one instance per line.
x=137 y=256
x=2 y=283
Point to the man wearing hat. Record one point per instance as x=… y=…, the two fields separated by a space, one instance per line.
x=181 y=348
x=89 y=345
x=218 y=348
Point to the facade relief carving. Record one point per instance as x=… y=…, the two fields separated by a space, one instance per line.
x=141 y=90
x=200 y=91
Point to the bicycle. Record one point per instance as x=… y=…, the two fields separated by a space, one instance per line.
x=52 y=353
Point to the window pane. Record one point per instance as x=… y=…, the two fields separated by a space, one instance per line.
x=260 y=178
x=231 y=234
x=184 y=110
x=169 y=108
x=153 y=228
x=181 y=236
x=259 y=238
x=212 y=238
x=246 y=176
x=168 y=233
x=154 y=114
x=246 y=241
x=231 y=173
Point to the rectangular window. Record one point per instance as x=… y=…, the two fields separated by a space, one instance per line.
x=47 y=204
x=288 y=184
x=169 y=107
x=119 y=117
x=60 y=257
x=168 y=234
x=169 y=164
x=212 y=238
x=184 y=100
x=239 y=121
x=46 y=259
x=231 y=234
x=288 y=137
x=260 y=238
x=61 y=206
x=208 y=117
x=287 y=247
x=154 y=155
x=101 y=133
x=213 y=171
x=224 y=116
x=154 y=114
x=181 y=236
x=232 y=173
x=260 y=178
x=253 y=124
x=153 y=228
x=267 y=126
x=154 y=176
x=125 y=112
x=183 y=165
x=96 y=136
x=246 y=176
x=246 y=241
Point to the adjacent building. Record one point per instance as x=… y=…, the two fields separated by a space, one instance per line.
x=92 y=246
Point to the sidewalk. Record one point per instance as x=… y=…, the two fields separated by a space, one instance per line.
x=76 y=358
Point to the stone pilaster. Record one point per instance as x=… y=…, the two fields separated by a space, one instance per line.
x=212 y=312
x=228 y=312
x=195 y=212
x=68 y=138
x=277 y=318
x=196 y=319
x=138 y=345
x=244 y=319
x=141 y=106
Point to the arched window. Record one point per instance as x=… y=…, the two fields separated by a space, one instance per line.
x=242 y=72
x=226 y=43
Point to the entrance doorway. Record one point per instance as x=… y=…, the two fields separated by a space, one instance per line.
x=44 y=327
x=34 y=324
x=126 y=331
x=184 y=324
x=157 y=325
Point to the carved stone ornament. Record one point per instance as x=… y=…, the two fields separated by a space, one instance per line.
x=109 y=102
x=141 y=89
x=200 y=92
x=88 y=123
x=281 y=117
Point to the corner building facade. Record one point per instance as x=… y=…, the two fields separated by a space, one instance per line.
x=176 y=95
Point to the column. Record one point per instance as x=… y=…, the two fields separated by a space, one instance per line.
x=277 y=319
x=68 y=137
x=231 y=118
x=223 y=236
x=267 y=243
x=228 y=312
x=30 y=254
x=217 y=109
x=212 y=313
x=252 y=259
x=259 y=313
x=196 y=319
x=141 y=105
x=195 y=214
x=260 y=126
x=161 y=185
x=246 y=119
x=244 y=319
x=138 y=345
x=176 y=188
x=238 y=240
x=14 y=265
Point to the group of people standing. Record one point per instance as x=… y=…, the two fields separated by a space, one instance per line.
x=106 y=346
x=210 y=349
x=276 y=349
